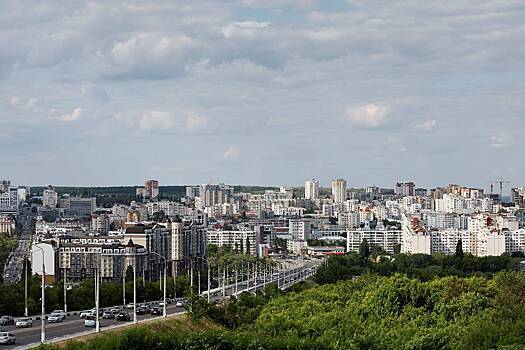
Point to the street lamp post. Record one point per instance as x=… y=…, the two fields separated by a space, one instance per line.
x=135 y=289
x=208 y=266
x=43 y=317
x=65 y=289
x=26 y=312
x=164 y=314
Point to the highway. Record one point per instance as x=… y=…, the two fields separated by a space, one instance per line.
x=296 y=272
x=15 y=264
x=73 y=325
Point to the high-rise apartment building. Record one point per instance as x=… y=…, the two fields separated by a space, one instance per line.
x=152 y=189
x=405 y=189
x=50 y=197
x=311 y=189
x=339 y=190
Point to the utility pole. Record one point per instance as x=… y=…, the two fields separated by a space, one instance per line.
x=65 y=289
x=124 y=287
x=135 y=289
x=26 y=312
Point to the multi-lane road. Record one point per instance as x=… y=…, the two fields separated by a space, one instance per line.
x=72 y=325
x=295 y=272
x=15 y=264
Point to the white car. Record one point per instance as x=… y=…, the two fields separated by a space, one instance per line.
x=84 y=314
x=55 y=318
x=7 y=338
x=129 y=306
x=24 y=323
x=60 y=312
x=179 y=304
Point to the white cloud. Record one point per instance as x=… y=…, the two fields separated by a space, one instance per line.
x=14 y=101
x=231 y=153
x=247 y=29
x=368 y=116
x=75 y=114
x=31 y=104
x=152 y=54
x=155 y=120
x=501 y=140
x=428 y=126
x=195 y=121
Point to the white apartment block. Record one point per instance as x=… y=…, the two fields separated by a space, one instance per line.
x=169 y=208
x=296 y=246
x=339 y=190
x=241 y=240
x=300 y=229
x=311 y=189
x=386 y=239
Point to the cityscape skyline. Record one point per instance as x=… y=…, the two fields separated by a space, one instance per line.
x=261 y=92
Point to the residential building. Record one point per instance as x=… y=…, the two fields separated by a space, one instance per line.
x=386 y=239
x=243 y=240
x=311 y=189
x=339 y=190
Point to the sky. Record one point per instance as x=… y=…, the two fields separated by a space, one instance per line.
x=262 y=92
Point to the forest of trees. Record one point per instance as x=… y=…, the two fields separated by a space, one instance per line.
x=362 y=302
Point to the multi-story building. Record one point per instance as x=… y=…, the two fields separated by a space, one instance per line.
x=80 y=256
x=156 y=239
x=405 y=189
x=243 y=240
x=311 y=189
x=192 y=191
x=50 y=197
x=386 y=239
x=518 y=196
x=300 y=229
x=100 y=222
x=78 y=206
x=152 y=189
x=8 y=197
x=188 y=241
x=170 y=208
x=339 y=190
x=7 y=224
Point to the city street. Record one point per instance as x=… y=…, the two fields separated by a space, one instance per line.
x=15 y=265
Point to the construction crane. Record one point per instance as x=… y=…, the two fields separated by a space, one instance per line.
x=500 y=182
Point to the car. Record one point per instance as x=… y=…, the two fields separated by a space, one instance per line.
x=7 y=338
x=55 y=318
x=84 y=314
x=156 y=311
x=7 y=320
x=90 y=321
x=144 y=306
x=116 y=310
x=130 y=306
x=122 y=316
x=60 y=312
x=24 y=323
x=161 y=303
x=141 y=311
x=107 y=315
x=179 y=304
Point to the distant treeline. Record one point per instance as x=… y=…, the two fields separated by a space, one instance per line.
x=176 y=191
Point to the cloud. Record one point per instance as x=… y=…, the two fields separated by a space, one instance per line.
x=152 y=55
x=30 y=104
x=195 y=121
x=231 y=153
x=75 y=114
x=427 y=126
x=15 y=101
x=501 y=140
x=155 y=120
x=247 y=29
x=368 y=116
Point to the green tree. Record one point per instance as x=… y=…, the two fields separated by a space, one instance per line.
x=364 y=249
x=459 y=249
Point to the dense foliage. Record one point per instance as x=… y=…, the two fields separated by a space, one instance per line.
x=421 y=266
x=397 y=312
x=6 y=246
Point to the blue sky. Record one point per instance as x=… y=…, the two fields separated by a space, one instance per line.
x=262 y=92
